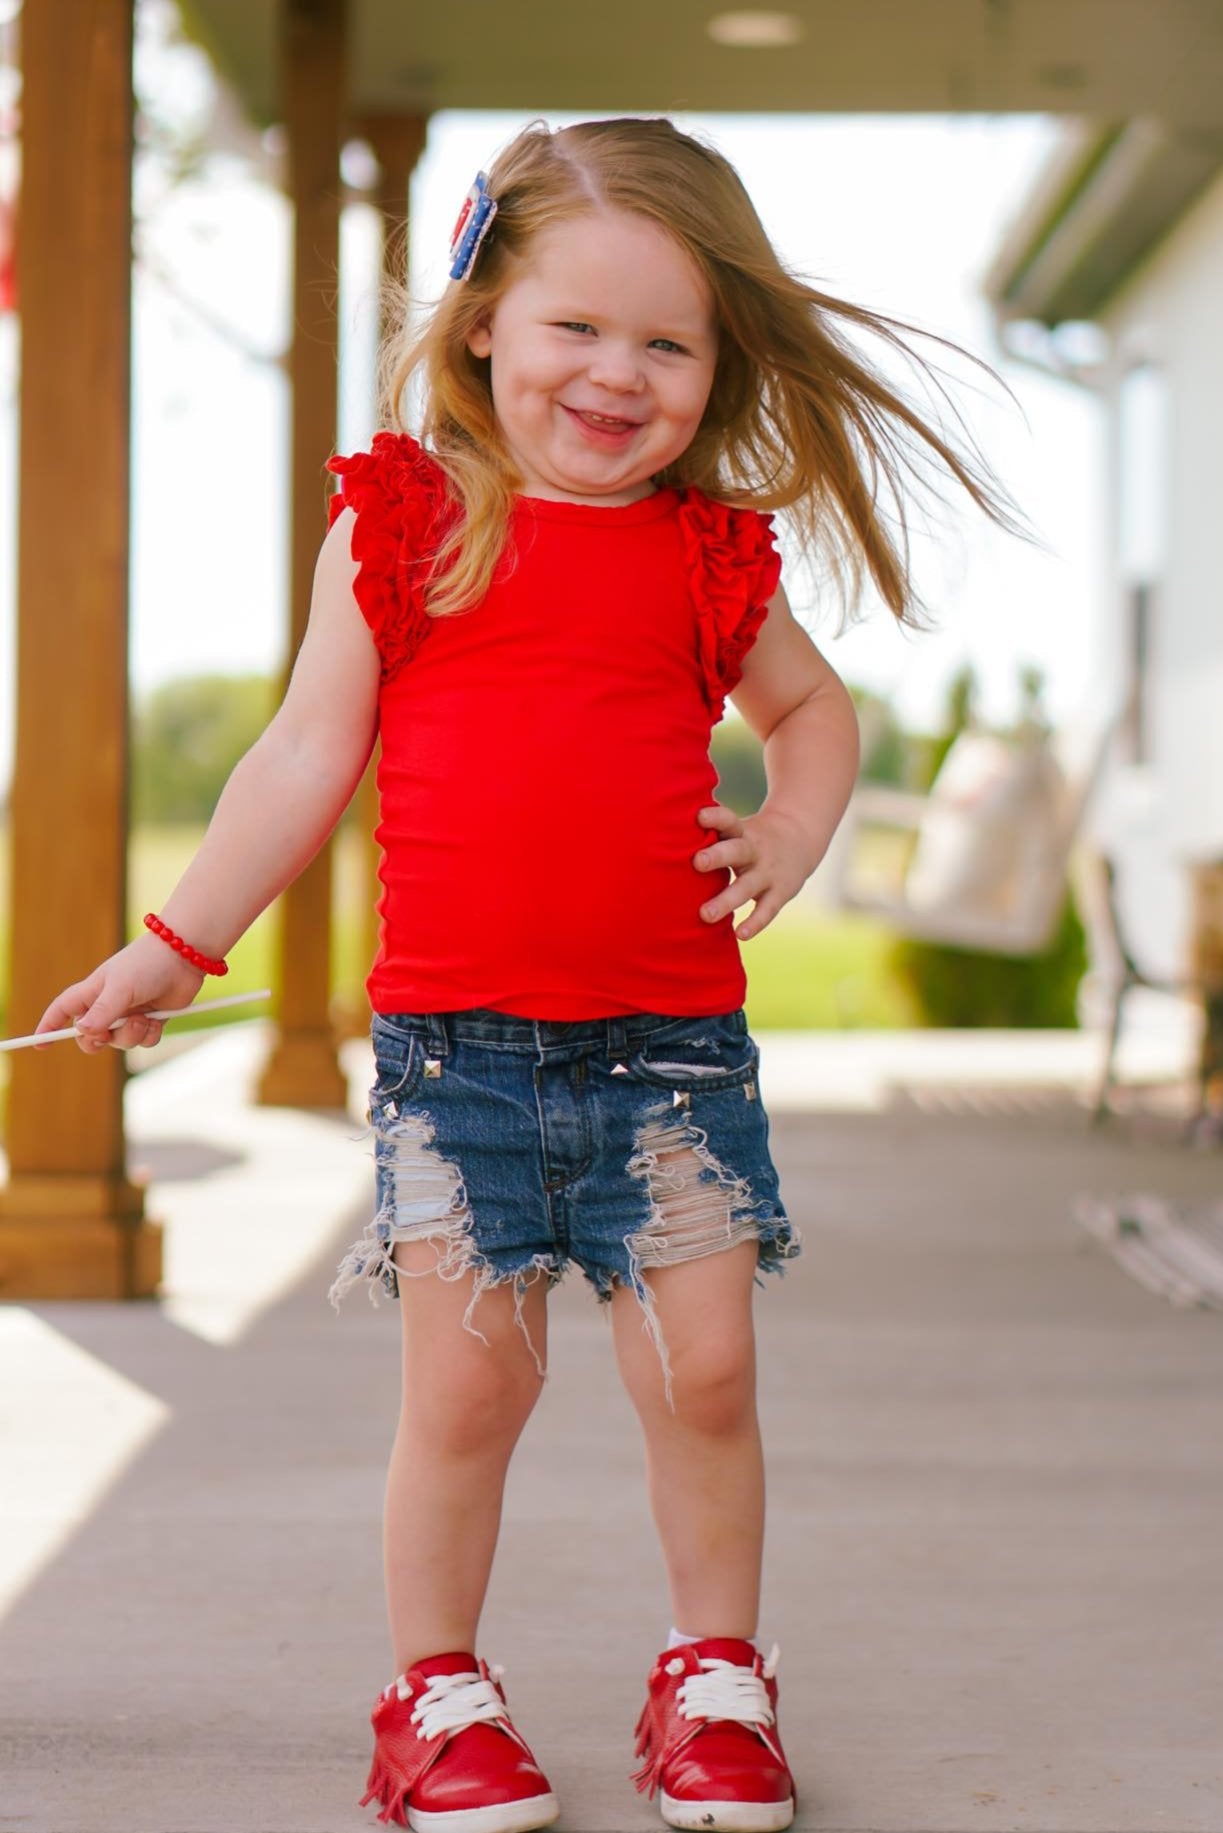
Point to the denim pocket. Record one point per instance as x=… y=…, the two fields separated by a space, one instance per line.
x=399 y=1062
x=709 y=1053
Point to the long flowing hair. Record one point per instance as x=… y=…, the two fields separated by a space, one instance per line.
x=797 y=419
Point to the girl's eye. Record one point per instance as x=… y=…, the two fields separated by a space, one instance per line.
x=568 y=324
x=668 y=344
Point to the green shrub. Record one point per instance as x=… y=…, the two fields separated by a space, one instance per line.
x=738 y=758
x=965 y=987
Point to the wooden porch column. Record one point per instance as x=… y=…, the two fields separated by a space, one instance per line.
x=71 y=1224
x=397 y=142
x=303 y=1070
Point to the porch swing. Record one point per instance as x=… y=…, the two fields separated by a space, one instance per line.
x=991 y=844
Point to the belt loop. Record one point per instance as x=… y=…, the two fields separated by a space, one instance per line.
x=617 y=1039
x=438 y=1041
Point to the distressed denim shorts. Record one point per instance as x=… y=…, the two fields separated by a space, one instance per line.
x=520 y=1144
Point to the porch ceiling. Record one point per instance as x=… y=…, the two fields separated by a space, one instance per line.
x=1107 y=59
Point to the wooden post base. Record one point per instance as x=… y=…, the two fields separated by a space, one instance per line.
x=302 y=1072
x=77 y=1237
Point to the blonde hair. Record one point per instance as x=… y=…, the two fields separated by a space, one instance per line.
x=796 y=419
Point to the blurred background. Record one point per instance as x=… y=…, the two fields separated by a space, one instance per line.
x=993 y=176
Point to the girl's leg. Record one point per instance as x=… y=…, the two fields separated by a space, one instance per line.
x=704 y=1461
x=464 y=1405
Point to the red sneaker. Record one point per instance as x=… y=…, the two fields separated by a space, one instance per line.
x=708 y=1733
x=446 y=1757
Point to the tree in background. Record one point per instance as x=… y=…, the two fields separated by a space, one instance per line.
x=887 y=751
x=188 y=735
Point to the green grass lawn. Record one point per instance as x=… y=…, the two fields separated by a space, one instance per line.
x=809 y=969
x=818 y=970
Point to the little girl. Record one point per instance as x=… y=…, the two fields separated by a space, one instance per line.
x=541 y=605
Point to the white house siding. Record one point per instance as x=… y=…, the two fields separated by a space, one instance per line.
x=1164 y=813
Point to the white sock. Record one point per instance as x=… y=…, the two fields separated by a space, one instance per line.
x=677 y=1639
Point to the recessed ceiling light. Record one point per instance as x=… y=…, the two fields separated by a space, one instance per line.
x=755 y=31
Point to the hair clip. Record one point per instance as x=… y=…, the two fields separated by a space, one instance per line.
x=475 y=221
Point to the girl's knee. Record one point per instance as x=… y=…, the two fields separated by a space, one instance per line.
x=474 y=1400
x=474 y=1354
x=713 y=1384
x=700 y=1329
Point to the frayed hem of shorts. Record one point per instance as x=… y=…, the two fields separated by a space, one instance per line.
x=370 y=1261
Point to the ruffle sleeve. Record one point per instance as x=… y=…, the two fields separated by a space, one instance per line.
x=399 y=495
x=733 y=570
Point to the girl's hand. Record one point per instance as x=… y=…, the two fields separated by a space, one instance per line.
x=769 y=855
x=146 y=974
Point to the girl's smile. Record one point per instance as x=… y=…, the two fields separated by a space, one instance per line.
x=602 y=351
x=612 y=431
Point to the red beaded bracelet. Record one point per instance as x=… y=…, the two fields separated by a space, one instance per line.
x=206 y=963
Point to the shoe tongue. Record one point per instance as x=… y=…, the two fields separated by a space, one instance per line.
x=726 y=1648
x=458 y=1663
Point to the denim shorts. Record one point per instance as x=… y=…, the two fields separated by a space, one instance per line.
x=517 y=1145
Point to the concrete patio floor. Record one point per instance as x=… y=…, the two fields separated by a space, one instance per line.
x=995 y=1564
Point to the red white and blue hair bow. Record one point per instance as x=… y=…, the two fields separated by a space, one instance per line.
x=475 y=221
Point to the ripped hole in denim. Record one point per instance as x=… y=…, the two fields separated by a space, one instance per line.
x=427 y=1201
x=697 y=1207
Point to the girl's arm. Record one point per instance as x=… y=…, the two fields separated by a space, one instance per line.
x=798 y=705
x=281 y=802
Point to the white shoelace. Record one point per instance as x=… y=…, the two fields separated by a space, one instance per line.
x=722 y=1690
x=451 y=1702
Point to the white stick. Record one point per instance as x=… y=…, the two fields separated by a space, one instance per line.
x=203 y=1005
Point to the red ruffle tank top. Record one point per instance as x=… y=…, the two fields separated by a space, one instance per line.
x=544 y=754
